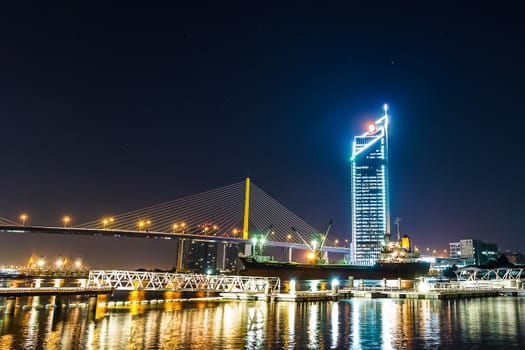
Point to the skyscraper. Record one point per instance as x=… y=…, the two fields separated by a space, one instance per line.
x=370 y=207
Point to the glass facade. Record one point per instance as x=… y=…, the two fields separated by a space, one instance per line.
x=370 y=209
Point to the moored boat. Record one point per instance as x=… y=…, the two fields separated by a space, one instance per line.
x=302 y=271
x=398 y=260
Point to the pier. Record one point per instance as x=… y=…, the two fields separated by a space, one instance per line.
x=11 y=294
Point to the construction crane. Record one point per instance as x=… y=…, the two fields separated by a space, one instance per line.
x=317 y=242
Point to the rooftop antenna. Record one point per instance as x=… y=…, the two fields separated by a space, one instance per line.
x=385 y=108
x=397 y=222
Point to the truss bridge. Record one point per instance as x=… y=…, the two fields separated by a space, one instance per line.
x=163 y=281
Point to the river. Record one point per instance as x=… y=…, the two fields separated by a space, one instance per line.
x=484 y=323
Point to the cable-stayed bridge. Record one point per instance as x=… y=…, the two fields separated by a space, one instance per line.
x=232 y=213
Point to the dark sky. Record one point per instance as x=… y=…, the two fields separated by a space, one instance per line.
x=113 y=108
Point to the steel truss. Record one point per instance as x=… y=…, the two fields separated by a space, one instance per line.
x=500 y=273
x=144 y=280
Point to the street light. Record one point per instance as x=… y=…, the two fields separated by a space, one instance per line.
x=106 y=222
x=23 y=218
x=78 y=264
x=40 y=263
x=59 y=263
x=143 y=224
x=66 y=220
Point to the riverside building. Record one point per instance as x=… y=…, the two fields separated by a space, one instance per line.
x=369 y=190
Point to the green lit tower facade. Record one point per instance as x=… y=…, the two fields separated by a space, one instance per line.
x=370 y=202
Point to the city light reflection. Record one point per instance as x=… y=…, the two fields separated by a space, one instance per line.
x=345 y=324
x=334 y=326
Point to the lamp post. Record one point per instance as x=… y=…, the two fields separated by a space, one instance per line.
x=59 y=263
x=66 y=219
x=23 y=219
x=143 y=224
x=40 y=263
x=106 y=222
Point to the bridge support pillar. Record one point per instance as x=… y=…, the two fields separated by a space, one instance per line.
x=351 y=282
x=58 y=282
x=290 y=250
x=58 y=302
x=38 y=282
x=180 y=253
x=10 y=304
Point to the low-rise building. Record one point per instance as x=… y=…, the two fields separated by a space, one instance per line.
x=473 y=251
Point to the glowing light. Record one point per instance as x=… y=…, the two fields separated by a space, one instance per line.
x=106 y=222
x=23 y=218
x=314 y=285
x=371 y=128
x=292 y=286
x=335 y=282
x=311 y=255
x=66 y=220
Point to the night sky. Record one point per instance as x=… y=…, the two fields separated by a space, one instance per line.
x=114 y=108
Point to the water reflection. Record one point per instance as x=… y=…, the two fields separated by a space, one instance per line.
x=346 y=324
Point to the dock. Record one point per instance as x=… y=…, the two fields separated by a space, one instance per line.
x=11 y=295
x=328 y=295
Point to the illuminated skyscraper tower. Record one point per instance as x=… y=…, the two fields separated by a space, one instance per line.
x=370 y=208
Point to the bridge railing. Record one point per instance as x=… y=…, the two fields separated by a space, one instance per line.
x=145 y=280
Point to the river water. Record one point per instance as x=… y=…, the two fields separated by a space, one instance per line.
x=484 y=323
